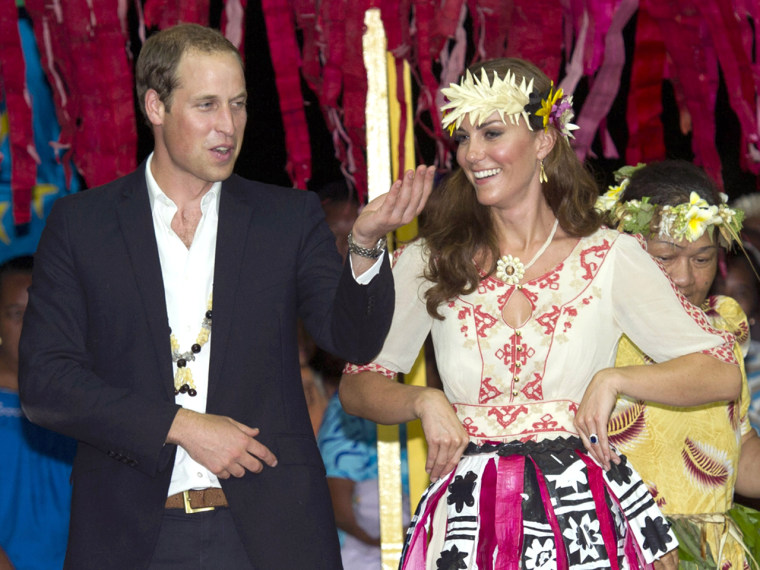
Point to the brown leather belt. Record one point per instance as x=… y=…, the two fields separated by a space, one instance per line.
x=197 y=500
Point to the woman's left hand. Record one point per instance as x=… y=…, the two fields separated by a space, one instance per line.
x=594 y=413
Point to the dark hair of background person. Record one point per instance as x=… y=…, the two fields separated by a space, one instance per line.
x=21 y=264
x=458 y=228
x=670 y=182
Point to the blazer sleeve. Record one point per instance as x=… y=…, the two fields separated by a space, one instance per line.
x=59 y=388
x=352 y=320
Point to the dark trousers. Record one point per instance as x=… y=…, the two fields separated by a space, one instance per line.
x=199 y=541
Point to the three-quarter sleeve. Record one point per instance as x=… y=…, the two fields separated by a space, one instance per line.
x=649 y=308
x=411 y=321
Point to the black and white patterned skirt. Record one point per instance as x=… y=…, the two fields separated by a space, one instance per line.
x=536 y=505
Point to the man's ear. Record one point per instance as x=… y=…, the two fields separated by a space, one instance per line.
x=154 y=107
x=545 y=142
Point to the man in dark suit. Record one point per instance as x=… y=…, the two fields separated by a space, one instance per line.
x=195 y=445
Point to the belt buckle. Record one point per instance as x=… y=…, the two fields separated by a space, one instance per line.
x=189 y=508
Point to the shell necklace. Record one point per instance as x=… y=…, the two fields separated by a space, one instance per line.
x=183 y=378
x=510 y=269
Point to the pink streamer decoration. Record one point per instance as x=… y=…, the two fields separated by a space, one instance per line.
x=487 y=502
x=607 y=83
x=509 y=519
x=417 y=550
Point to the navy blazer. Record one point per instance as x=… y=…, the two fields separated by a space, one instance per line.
x=96 y=363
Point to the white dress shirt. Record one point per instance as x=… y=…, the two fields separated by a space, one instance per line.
x=188 y=275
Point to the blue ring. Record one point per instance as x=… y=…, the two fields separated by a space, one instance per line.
x=593 y=439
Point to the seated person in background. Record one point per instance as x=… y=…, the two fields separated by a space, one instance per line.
x=690 y=458
x=36 y=463
x=313 y=385
x=348 y=445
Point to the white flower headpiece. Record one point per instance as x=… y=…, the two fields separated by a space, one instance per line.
x=480 y=98
x=687 y=221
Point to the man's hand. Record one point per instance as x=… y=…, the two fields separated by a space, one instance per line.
x=399 y=206
x=222 y=445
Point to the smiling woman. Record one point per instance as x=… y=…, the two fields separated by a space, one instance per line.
x=521 y=469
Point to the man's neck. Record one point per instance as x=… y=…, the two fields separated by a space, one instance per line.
x=185 y=191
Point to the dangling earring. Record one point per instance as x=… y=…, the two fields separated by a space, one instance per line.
x=542 y=174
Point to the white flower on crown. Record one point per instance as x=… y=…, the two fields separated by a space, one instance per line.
x=698 y=217
x=480 y=98
x=607 y=201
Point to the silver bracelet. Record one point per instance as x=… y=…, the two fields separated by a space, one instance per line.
x=373 y=253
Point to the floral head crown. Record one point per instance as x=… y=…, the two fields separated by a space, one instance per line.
x=479 y=98
x=686 y=221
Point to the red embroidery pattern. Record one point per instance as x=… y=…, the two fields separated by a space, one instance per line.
x=483 y=321
x=551 y=279
x=488 y=284
x=547 y=423
x=591 y=259
x=533 y=390
x=570 y=312
x=463 y=315
x=515 y=354
x=642 y=241
x=472 y=429
x=506 y=415
x=350 y=368
x=488 y=391
x=397 y=253
x=549 y=320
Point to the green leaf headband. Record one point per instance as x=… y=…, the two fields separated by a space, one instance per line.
x=687 y=221
x=480 y=98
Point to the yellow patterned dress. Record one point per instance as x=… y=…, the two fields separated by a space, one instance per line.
x=688 y=457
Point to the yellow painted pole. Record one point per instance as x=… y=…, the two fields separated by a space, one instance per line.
x=383 y=114
x=416 y=445
x=379 y=180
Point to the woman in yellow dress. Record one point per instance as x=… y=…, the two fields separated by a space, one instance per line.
x=693 y=458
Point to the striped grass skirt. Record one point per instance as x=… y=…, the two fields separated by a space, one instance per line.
x=536 y=505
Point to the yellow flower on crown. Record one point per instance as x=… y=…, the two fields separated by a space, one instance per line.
x=607 y=201
x=548 y=104
x=698 y=216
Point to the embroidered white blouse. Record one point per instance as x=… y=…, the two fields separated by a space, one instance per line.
x=523 y=383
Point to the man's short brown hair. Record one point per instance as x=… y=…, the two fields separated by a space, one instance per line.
x=160 y=56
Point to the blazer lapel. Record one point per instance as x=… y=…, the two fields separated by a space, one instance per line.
x=231 y=236
x=136 y=223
